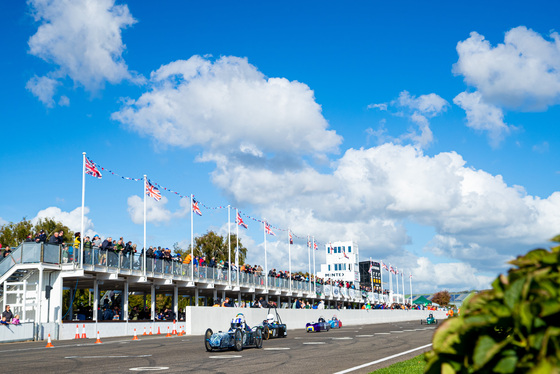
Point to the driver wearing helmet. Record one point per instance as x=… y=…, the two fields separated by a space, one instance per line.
x=270 y=319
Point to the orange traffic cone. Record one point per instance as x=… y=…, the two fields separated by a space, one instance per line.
x=168 y=334
x=144 y=331
x=77 y=333
x=84 y=332
x=183 y=332
x=180 y=333
x=98 y=341
x=150 y=331
x=49 y=344
x=158 y=332
x=135 y=336
x=174 y=332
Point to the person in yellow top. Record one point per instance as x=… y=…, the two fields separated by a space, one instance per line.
x=187 y=259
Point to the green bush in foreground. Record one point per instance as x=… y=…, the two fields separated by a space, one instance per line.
x=512 y=328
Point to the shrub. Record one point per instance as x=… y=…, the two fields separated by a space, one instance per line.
x=514 y=327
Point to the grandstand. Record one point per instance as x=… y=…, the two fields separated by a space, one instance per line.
x=456 y=299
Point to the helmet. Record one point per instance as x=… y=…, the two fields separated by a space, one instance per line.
x=270 y=318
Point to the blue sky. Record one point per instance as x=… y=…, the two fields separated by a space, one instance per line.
x=427 y=133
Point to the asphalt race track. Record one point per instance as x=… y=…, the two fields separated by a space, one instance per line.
x=338 y=350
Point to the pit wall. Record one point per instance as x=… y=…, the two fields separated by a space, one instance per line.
x=218 y=319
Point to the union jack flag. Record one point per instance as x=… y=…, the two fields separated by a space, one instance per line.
x=152 y=191
x=91 y=169
x=410 y=276
x=240 y=221
x=370 y=268
x=291 y=238
x=195 y=207
x=331 y=249
x=315 y=246
x=391 y=270
x=384 y=266
x=268 y=230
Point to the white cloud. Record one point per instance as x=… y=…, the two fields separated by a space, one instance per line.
x=482 y=116
x=229 y=104
x=418 y=110
x=71 y=219
x=371 y=191
x=3 y=221
x=83 y=39
x=455 y=276
x=43 y=88
x=523 y=72
x=156 y=211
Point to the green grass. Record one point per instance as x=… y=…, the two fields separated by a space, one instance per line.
x=413 y=366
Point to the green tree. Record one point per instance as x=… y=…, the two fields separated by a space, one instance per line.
x=13 y=234
x=214 y=245
x=441 y=298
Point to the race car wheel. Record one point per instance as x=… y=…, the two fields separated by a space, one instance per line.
x=238 y=340
x=284 y=333
x=258 y=338
x=266 y=333
x=436 y=321
x=207 y=336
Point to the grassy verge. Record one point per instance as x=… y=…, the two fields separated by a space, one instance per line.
x=413 y=366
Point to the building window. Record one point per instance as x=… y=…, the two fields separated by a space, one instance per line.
x=329 y=267
x=349 y=249
x=350 y=267
x=339 y=250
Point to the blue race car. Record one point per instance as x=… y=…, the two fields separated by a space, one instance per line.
x=272 y=326
x=320 y=325
x=239 y=336
x=335 y=322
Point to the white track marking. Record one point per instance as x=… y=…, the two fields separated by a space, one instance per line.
x=134 y=356
x=276 y=349
x=383 y=359
x=148 y=368
x=226 y=356
x=314 y=343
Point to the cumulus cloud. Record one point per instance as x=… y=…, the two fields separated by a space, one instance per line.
x=482 y=116
x=71 y=219
x=418 y=110
x=43 y=88
x=229 y=104
x=156 y=211
x=523 y=72
x=370 y=192
x=83 y=39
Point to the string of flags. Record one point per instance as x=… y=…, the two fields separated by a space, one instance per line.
x=153 y=189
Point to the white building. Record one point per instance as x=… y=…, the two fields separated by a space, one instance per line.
x=342 y=262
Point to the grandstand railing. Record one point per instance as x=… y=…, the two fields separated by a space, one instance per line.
x=133 y=264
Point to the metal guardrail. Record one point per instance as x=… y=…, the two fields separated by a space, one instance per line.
x=133 y=264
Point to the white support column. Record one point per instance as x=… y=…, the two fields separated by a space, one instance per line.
x=239 y=299
x=196 y=297
x=176 y=301
x=125 y=302
x=153 y=301
x=215 y=295
x=95 y=299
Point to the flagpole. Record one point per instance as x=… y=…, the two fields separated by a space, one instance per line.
x=314 y=280
x=290 y=261
x=397 y=279
x=410 y=279
x=82 y=235
x=229 y=246
x=381 y=277
x=265 y=263
x=237 y=244
x=192 y=245
x=371 y=275
x=309 y=261
x=402 y=281
x=145 y=247
x=390 y=285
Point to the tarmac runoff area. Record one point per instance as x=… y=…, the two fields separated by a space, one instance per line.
x=336 y=351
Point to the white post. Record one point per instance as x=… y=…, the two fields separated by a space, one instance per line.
x=402 y=281
x=410 y=279
x=381 y=277
x=145 y=246
x=237 y=244
x=229 y=245
x=290 y=262
x=309 y=261
x=397 y=279
x=390 y=285
x=192 y=245
x=314 y=282
x=371 y=275
x=82 y=235
x=265 y=263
